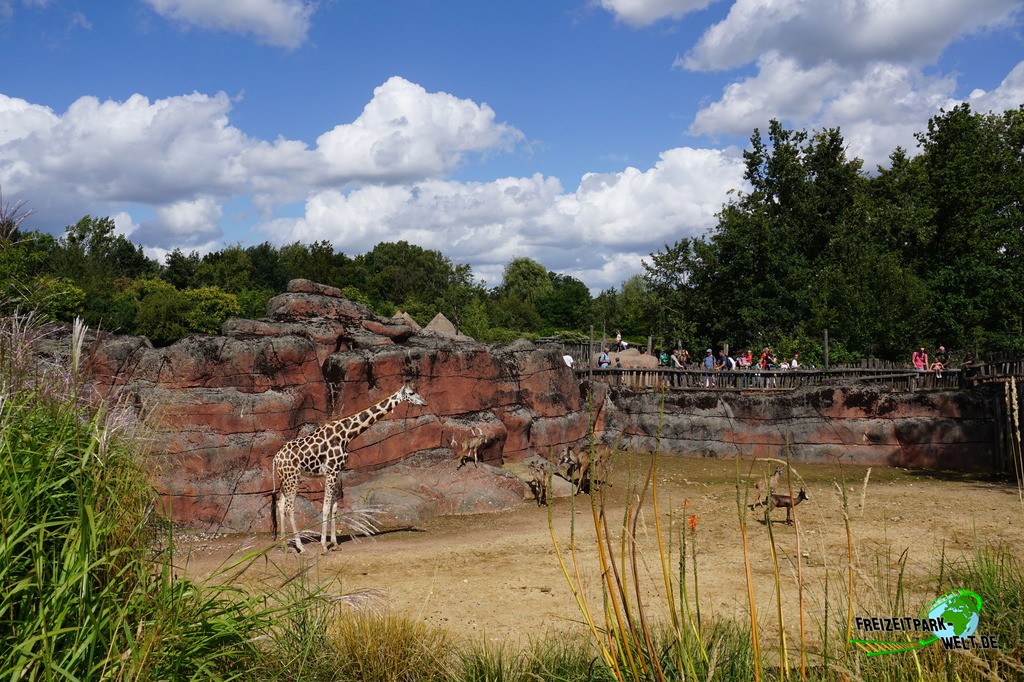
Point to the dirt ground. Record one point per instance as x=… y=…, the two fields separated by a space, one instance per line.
x=497 y=576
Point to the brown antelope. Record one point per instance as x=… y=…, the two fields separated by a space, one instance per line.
x=578 y=466
x=773 y=482
x=538 y=481
x=787 y=502
x=471 y=446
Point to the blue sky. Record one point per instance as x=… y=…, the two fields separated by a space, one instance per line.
x=581 y=133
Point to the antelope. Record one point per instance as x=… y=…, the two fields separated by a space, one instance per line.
x=471 y=446
x=578 y=464
x=787 y=502
x=538 y=482
x=773 y=482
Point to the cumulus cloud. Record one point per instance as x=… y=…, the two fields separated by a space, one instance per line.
x=644 y=12
x=853 y=64
x=598 y=233
x=406 y=131
x=187 y=223
x=844 y=31
x=282 y=23
x=1009 y=94
x=101 y=154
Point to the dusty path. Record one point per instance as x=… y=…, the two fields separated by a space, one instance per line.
x=497 y=575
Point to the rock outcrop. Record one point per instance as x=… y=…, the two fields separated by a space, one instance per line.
x=219 y=407
x=862 y=425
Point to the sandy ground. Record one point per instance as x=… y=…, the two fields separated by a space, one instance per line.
x=497 y=576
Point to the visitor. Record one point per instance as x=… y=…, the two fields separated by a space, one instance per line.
x=942 y=356
x=920 y=359
x=937 y=367
x=568 y=360
x=677 y=362
x=618 y=341
x=663 y=360
x=795 y=362
x=969 y=366
x=709 y=365
x=603 y=360
x=684 y=357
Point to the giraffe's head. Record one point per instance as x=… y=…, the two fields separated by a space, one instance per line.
x=408 y=394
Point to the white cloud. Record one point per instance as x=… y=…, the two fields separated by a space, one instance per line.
x=1009 y=94
x=186 y=223
x=781 y=89
x=644 y=12
x=101 y=154
x=283 y=23
x=598 y=233
x=406 y=131
x=844 y=31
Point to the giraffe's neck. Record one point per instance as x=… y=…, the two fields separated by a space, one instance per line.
x=355 y=424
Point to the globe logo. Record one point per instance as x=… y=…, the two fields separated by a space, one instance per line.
x=959 y=611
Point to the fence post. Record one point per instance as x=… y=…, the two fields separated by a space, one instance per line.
x=826 y=350
x=590 y=360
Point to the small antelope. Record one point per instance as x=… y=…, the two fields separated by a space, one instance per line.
x=578 y=465
x=773 y=483
x=471 y=446
x=787 y=502
x=538 y=482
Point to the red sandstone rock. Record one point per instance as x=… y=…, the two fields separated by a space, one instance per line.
x=305 y=286
x=220 y=407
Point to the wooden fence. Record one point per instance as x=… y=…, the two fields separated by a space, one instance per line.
x=771 y=380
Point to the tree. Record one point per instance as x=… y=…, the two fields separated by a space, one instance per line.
x=180 y=270
x=400 y=271
x=567 y=306
x=208 y=308
x=972 y=263
x=527 y=280
x=229 y=269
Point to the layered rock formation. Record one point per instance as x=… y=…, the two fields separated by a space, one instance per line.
x=219 y=407
x=853 y=424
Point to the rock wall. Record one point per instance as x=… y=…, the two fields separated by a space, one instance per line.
x=219 y=407
x=856 y=424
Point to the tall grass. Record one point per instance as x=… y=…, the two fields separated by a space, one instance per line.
x=86 y=594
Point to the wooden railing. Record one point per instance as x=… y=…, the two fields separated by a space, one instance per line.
x=774 y=380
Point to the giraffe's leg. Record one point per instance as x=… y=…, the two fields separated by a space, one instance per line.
x=334 y=510
x=289 y=489
x=329 y=483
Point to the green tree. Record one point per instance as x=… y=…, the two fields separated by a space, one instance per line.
x=568 y=304
x=208 y=308
x=56 y=298
x=230 y=269
x=152 y=308
x=972 y=262
x=180 y=270
x=527 y=280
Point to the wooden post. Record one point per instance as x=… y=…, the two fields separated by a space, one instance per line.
x=826 y=350
x=650 y=347
x=590 y=361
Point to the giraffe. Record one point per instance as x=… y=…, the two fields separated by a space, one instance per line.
x=322 y=454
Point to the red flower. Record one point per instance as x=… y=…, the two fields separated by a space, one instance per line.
x=692 y=521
